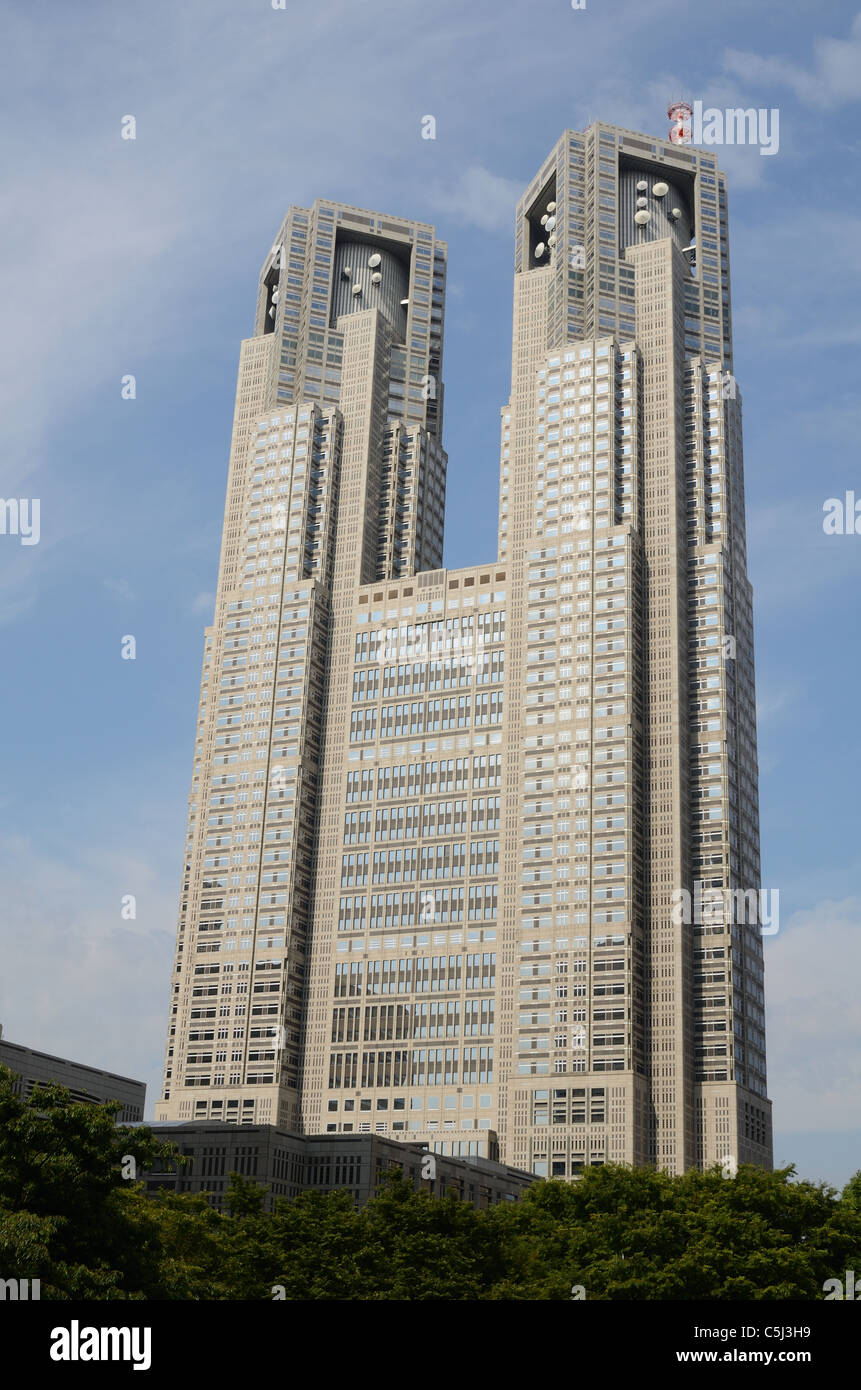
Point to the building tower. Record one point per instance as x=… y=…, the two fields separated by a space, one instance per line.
x=443 y=822
x=336 y=478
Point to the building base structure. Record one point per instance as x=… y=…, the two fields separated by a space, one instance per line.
x=288 y=1164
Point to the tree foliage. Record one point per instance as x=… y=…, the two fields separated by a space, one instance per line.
x=69 y=1218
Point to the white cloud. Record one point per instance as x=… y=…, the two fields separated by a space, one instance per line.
x=814 y=1018
x=78 y=980
x=119 y=589
x=792 y=562
x=773 y=705
x=481 y=199
x=834 y=76
x=25 y=569
x=18 y=579
x=203 y=603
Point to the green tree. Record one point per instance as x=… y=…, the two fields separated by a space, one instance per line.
x=65 y=1213
x=851 y=1195
x=311 y=1247
x=639 y=1234
x=69 y=1218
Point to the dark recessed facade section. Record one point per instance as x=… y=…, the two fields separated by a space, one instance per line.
x=654 y=202
x=272 y=289
x=541 y=225
x=371 y=273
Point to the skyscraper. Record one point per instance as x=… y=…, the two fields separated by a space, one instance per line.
x=443 y=822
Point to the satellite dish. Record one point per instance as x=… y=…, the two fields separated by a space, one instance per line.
x=357 y=288
x=540 y=249
x=375 y=260
x=376 y=278
x=552 y=239
x=551 y=207
x=641 y=185
x=272 y=313
x=551 y=223
x=405 y=303
x=346 y=272
x=642 y=217
x=275 y=294
x=660 y=190
x=642 y=203
x=676 y=212
x=544 y=220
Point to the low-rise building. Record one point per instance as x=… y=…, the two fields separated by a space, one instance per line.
x=287 y=1164
x=84 y=1083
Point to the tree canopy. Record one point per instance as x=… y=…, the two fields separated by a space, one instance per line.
x=70 y=1218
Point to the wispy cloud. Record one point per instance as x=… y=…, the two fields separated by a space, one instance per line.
x=481 y=199
x=119 y=589
x=203 y=603
x=814 y=1014
x=78 y=978
x=833 y=76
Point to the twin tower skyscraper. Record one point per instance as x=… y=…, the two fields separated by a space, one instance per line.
x=441 y=820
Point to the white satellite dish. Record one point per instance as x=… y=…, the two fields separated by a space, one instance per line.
x=375 y=260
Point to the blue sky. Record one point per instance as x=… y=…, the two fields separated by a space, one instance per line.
x=141 y=257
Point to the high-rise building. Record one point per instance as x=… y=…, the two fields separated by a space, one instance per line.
x=443 y=822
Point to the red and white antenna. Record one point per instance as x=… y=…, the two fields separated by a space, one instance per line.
x=680 y=113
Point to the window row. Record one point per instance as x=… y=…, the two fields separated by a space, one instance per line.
x=415 y=974
x=429 y=862
x=432 y=1066
x=385 y=911
x=439 y=1018
x=423 y=779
